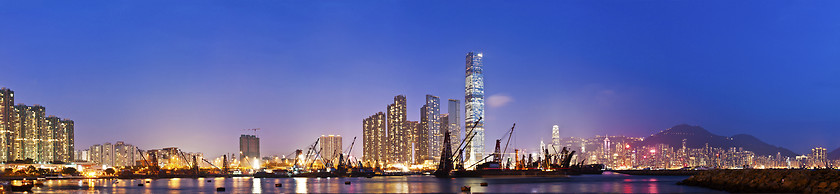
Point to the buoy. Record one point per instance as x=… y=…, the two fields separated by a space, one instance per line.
x=465 y=188
x=484 y=184
x=347 y=182
x=220 y=189
x=141 y=184
x=278 y=185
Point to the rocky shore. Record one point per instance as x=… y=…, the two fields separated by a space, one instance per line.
x=659 y=172
x=768 y=180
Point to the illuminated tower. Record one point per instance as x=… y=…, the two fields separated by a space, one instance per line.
x=431 y=122
x=454 y=124
x=399 y=137
x=606 y=145
x=419 y=140
x=31 y=122
x=374 y=138
x=7 y=124
x=330 y=147
x=474 y=102
x=555 y=137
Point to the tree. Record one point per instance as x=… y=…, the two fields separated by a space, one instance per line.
x=69 y=170
x=110 y=171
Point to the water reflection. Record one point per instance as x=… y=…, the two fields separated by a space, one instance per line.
x=174 y=183
x=256 y=185
x=300 y=185
x=423 y=184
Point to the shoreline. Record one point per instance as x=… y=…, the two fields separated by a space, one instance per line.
x=768 y=180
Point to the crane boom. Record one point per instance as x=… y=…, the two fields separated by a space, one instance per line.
x=350 y=150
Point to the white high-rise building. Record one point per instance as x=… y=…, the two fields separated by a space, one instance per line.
x=331 y=147
x=474 y=102
x=555 y=137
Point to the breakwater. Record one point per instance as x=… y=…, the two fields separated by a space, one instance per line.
x=768 y=180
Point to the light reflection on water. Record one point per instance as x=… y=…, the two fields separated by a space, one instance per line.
x=608 y=183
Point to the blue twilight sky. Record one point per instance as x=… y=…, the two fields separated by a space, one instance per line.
x=192 y=74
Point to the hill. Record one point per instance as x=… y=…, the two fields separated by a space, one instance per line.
x=698 y=137
x=834 y=155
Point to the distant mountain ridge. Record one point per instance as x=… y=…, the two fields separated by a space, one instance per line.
x=697 y=137
x=834 y=155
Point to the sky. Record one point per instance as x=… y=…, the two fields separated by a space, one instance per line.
x=194 y=74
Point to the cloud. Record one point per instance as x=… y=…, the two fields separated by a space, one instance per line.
x=499 y=100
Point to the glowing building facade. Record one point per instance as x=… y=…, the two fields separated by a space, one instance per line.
x=374 y=138
x=430 y=119
x=31 y=121
x=454 y=122
x=7 y=124
x=474 y=102
x=330 y=147
x=399 y=138
x=419 y=140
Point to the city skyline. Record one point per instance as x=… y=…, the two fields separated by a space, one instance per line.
x=158 y=78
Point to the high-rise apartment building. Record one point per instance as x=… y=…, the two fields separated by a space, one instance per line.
x=444 y=127
x=124 y=154
x=474 y=102
x=31 y=123
x=330 y=147
x=26 y=133
x=431 y=123
x=48 y=141
x=116 y=155
x=95 y=154
x=374 y=138
x=107 y=154
x=419 y=140
x=82 y=155
x=7 y=124
x=399 y=148
x=67 y=141
x=249 y=148
x=454 y=112
x=555 y=137
x=818 y=157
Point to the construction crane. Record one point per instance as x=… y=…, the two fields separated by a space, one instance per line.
x=350 y=150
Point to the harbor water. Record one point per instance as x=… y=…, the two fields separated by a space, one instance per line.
x=606 y=183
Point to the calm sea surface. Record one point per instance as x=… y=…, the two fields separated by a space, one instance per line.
x=607 y=183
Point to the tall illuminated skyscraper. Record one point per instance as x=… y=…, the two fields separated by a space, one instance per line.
x=399 y=138
x=7 y=124
x=431 y=122
x=419 y=140
x=555 y=137
x=474 y=101
x=67 y=140
x=31 y=122
x=454 y=123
